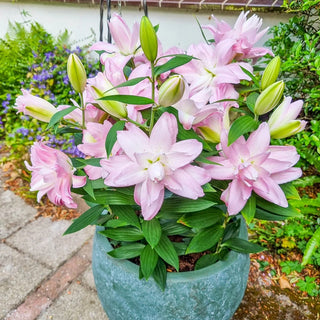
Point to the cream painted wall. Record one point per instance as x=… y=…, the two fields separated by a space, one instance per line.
x=177 y=27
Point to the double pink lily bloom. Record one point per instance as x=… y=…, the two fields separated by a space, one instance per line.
x=155 y=163
x=254 y=165
x=52 y=174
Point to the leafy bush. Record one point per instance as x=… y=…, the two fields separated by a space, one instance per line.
x=36 y=60
x=298 y=45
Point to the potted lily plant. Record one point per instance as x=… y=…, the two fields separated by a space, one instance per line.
x=178 y=159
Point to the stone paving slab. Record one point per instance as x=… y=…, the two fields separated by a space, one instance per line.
x=87 y=278
x=76 y=303
x=43 y=239
x=19 y=275
x=14 y=213
x=50 y=290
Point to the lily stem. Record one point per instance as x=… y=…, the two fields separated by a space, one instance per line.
x=153 y=82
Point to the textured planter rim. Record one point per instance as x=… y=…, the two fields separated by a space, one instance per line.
x=172 y=277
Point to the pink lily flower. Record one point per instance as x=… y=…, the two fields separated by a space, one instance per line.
x=254 y=165
x=94 y=138
x=52 y=174
x=212 y=68
x=35 y=107
x=244 y=35
x=126 y=42
x=155 y=163
x=212 y=126
x=283 y=123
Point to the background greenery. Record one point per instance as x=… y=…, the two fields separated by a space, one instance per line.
x=33 y=59
x=298 y=45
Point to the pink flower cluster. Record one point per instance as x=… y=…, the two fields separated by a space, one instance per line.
x=52 y=174
x=153 y=160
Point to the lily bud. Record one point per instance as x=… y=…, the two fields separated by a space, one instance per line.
x=76 y=73
x=211 y=127
x=271 y=73
x=171 y=91
x=35 y=107
x=283 y=123
x=99 y=87
x=148 y=39
x=269 y=98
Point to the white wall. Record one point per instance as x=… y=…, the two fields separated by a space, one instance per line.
x=177 y=27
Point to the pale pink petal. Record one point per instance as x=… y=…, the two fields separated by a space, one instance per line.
x=133 y=141
x=236 y=196
x=182 y=153
x=259 y=140
x=151 y=197
x=164 y=133
x=274 y=165
x=119 y=171
x=78 y=181
x=284 y=153
x=187 y=181
x=268 y=189
x=287 y=175
x=223 y=170
x=93 y=172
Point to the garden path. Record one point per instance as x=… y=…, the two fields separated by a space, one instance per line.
x=46 y=276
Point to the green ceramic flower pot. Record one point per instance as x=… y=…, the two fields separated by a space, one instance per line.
x=211 y=293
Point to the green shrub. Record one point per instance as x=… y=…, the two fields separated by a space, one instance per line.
x=33 y=59
x=298 y=45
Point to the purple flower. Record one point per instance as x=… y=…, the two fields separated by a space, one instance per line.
x=5 y=103
x=65 y=80
x=23 y=131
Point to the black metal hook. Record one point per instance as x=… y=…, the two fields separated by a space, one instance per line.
x=101 y=21
x=109 y=39
x=145 y=7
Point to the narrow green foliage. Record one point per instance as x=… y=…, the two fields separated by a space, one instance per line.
x=128 y=99
x=311 y=247
x=174 y=228
x=127 y=251
x=182 y=205
x=85 y=219
x=160 y=274
x=251 y=100
x=176 y=61
x=166 y=251
x=249 y=209
x=202 y=219
x=152 y=231
x=129 y=234
x=277 y=210
x=241 y=126
x=127 y=214
x=148 y=261
x=59 y=115
x=242 y=246
x=112 y=136
x=205 y=239
x=129 y=83
x=206 y=260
